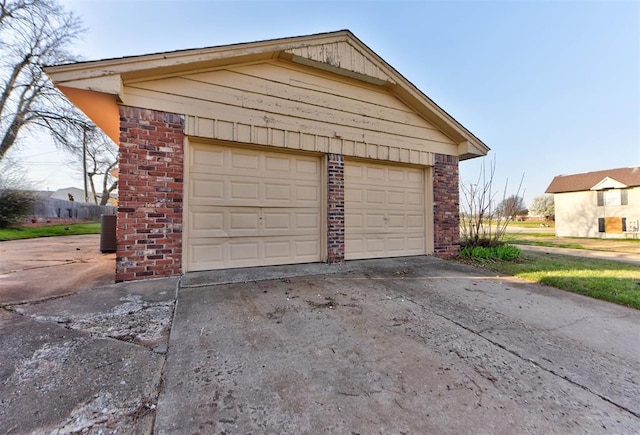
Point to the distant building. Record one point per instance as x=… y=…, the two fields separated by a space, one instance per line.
x=76 y=193
x=604 y=204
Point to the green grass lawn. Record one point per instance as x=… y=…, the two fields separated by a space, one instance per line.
x=49 y=231
x=541 y=239
x=544 y=239
x=534 y=224
x=600 y=279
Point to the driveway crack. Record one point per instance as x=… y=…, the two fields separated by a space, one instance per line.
x=529 y=360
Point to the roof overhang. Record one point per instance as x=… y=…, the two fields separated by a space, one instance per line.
x=96 y=86
x=608 y=183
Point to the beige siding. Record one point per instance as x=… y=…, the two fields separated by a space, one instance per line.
x=384 y=210
x=290 y=106
x=341 y=55
x=248 y=207
x=577 y=213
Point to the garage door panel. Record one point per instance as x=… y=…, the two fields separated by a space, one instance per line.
x=277 y=164
x=244 y=160
x=223 y=253
x=354 y=196
x=397 y=223
x=415 y=245
x=375 y=245
x=241 y=190
x=307 y=168
x=252 y=207
x=201 y=157
x=353 y=220
x=415 y=222
x=203 y=190
x=397 y=175
x=277 y=192
x=208 y=189
x=375 y=196
x=384 y=210
x=415 y=199
x=245 y=250
x=375 y=221
x=396 y=197
x=307 y=194
x=307 y=220
x=243 y=223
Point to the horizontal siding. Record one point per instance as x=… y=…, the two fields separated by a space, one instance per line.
x=268 y=103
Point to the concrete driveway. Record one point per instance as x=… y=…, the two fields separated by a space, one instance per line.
x=411 y=345
x=52 y=266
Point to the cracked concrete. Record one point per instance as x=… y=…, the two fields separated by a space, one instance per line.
x=90 y=362
x=408 y=345
x=412 y=345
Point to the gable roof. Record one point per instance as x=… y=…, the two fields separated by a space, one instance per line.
x=629 y=177
x=87 y=84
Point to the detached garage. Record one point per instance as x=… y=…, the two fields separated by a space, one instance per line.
x=296 y=150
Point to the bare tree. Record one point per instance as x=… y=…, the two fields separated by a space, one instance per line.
x=33 y=33
x=511 y=207
x=482 y=221
x=92 y=150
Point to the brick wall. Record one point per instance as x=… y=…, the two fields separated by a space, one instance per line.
x=335 y=201
x=150 y=190
x=446 y=211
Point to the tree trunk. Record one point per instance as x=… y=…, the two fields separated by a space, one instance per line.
x=10 y=136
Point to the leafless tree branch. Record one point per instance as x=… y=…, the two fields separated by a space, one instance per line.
x=34 y=33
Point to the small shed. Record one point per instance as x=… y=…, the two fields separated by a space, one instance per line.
x=294 y=150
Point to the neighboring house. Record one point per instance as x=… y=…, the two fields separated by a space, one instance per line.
x=602 y=204
x=78 y=196
x=76 y=193
x=294 y=150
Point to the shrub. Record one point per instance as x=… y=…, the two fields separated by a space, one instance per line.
x=483 y=253
x=507 y=252
x=15 y=205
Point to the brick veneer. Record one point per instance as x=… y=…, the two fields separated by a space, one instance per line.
x=446 y=212
x=335 y=201
x=149 y=225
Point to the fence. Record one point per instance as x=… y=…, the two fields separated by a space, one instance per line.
x=62 y=209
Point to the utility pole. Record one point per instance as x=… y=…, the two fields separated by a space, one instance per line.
x=84 y=163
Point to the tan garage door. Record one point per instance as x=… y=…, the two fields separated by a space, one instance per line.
x=251 y=207
x=384 y=210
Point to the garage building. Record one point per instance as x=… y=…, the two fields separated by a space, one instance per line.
x=295 y=150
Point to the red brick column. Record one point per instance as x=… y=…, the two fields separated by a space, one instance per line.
x=335 y=200
x=446 y=211
x=150 y=190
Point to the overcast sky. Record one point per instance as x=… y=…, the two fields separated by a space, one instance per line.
x=552 y=87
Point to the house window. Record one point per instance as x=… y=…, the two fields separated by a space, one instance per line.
x=613 y=225
x=612 y=197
